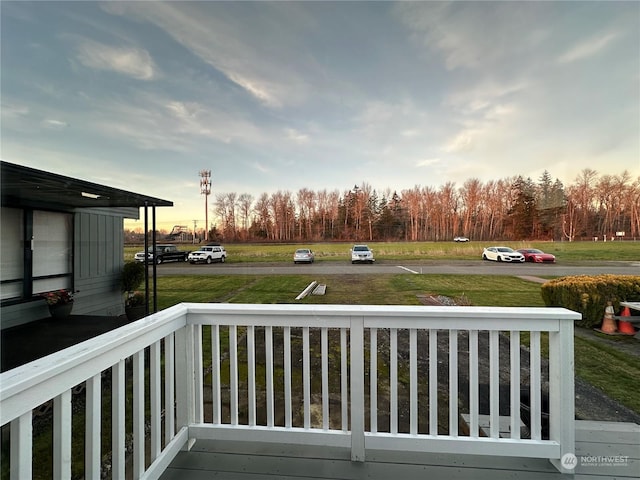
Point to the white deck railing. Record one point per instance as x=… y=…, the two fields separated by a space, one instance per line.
x=302 y=374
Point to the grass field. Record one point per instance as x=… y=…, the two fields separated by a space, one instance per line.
x=568 y=252
x=614 y=372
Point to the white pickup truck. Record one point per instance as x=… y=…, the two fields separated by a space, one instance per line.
x=208 y=254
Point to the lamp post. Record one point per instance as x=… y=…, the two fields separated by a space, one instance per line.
x=205 y=189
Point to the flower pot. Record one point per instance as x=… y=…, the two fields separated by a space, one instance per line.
x=61 y=310
x=135 y=313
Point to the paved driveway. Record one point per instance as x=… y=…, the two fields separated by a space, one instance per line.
x=455 y=267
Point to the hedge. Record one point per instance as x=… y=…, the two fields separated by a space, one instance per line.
x=589 y=294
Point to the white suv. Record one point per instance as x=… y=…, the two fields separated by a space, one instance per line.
x=361 y=253
x=208 y=254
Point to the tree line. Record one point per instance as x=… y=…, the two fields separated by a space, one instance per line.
x=515 y=208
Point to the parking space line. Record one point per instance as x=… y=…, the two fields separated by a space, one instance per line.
x=408 y=269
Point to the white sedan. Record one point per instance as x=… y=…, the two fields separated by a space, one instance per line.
x=361 y=253
x=502 y=254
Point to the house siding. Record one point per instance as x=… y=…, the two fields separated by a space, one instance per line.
x=98 y=259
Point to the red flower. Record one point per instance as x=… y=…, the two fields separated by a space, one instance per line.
x=58 y=297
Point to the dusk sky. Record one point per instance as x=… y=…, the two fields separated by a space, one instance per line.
x=321 y=95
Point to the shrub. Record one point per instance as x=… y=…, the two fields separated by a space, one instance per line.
x=589 y=294
x=132 y=276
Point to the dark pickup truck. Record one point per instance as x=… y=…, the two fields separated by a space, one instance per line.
x=163 y=253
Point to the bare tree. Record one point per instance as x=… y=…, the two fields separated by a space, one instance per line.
x=592 y=206
x=263 y=216
x=244 y=204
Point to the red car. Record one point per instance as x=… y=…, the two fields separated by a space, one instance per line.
x=537 y=256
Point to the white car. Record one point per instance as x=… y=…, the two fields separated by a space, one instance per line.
x=460 y=239
x=361 y=253
x=502 y=254
x=208 y=254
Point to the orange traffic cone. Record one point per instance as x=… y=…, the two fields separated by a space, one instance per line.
x=625 y=326
x=608 y=322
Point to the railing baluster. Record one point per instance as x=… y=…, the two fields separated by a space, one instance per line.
x=138 y=414
x=413 y=380
x=473 y=384
x=169 y=388
x=453 y=383
x=324 y=349
x=251 y=374
x=62 y=435
x=433 y=382
x=268 y=337
x=215 y=375
x=93 y=402
x=287 y=377
x=118 y=433
x=198 y=380
x=233 y=373
x=21 y=447
x=357 y=389
x=155 y=399
x=184 y=387
x=535 y=408
x=514 y=338
x=373 y=379
x=561 y=391
x=393 y=382
x=306 y=380
x=494 y=384
x=344 y=386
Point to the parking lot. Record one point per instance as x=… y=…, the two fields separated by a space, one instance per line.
x=460 y=267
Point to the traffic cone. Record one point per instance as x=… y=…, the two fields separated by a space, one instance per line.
x=625 y=326
x=608 y=322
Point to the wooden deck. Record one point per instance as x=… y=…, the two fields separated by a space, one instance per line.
x=605 y=450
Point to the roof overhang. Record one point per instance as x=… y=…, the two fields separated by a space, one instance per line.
x=28 y=187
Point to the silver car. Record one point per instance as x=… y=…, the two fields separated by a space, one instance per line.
x=303 y=255
x=361 y=253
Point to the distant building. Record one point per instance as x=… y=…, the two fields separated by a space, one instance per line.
x=59 y=232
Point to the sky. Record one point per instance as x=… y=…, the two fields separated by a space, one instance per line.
x=273 y=96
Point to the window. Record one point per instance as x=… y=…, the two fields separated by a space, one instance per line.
x=11 y=249
x=36 y=252
x=52 y=251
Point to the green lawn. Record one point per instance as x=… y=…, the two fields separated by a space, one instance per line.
x=390 y=289
x=613 y=372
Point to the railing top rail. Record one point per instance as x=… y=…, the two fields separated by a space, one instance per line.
x=283 y=310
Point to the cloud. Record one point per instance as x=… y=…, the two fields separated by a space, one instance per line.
x=296 y=136
x=587 y=48
x=473 y=35
x=233 y=44
x=132 y=62
x=14 y=110
x=260 y=91
x=55 y=124
x=462 y=142
x=427 y=162
x=261 y=168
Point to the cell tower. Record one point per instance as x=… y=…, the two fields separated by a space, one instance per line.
x=205 y=189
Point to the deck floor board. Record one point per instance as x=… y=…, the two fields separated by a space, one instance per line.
x=258 y=461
